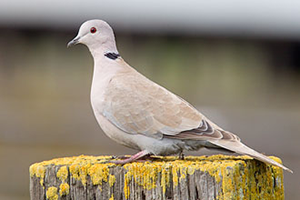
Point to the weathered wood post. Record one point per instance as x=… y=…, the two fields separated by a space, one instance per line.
x=165 y=178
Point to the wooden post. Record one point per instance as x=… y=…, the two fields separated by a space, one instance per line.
x=164 y=178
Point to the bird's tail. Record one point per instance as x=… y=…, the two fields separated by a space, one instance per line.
x=240 y=148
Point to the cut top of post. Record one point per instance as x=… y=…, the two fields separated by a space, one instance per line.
x=217 y=176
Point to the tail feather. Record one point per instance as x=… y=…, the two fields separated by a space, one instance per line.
x=240 y=148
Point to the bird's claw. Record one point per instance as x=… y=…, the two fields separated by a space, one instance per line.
x=181 y=156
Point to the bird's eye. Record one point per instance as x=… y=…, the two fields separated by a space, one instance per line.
x=93 y=30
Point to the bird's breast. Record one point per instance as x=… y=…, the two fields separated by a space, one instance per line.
x=101 y=79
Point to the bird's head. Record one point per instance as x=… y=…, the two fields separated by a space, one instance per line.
x=96 y=35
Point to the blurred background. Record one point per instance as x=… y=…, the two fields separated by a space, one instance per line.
x=238 y=63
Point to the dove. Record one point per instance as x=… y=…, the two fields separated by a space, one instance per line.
x=142 y=115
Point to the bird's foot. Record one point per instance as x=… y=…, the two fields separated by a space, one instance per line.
x=181 y=156
x=135 y=157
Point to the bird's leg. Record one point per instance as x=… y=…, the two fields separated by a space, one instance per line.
x=132 y=158
x=181 y=155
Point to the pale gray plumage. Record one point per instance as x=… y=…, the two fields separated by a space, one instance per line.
x=140 y=114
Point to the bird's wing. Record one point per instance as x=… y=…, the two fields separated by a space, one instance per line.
x=136 y=105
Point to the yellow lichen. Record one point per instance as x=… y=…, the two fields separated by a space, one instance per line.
x=38 y=171
x=112 y=180
x=175 y=174
x=127 y=179
x=62 y=173
x=98 y=173
x=74 y=170
x=144 y=174
x=78 y=167
x=83 y=171
x=112 y=197
x=64 y=189
x=165 y=178
x=240 y=177
x=51 y=193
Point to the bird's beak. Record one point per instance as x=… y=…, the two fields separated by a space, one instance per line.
x=74 y=41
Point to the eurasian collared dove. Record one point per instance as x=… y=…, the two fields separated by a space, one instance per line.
x=140 y=114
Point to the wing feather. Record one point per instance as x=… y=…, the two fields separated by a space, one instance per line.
x=138 y=106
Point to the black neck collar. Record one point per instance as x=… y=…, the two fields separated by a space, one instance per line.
x=112 y=55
